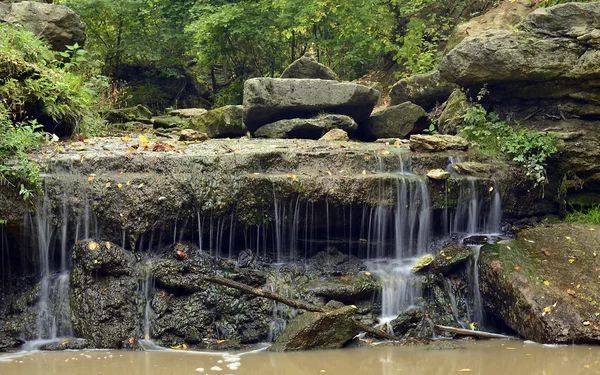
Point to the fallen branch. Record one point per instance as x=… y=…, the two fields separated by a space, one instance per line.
x=292 y=303
x=468 y=332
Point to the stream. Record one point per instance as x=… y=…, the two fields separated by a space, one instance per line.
x=482 y=357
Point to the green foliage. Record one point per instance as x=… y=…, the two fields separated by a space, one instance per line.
x=34 y=85
x=16 y=170
x=584 y=216
x=530 y=149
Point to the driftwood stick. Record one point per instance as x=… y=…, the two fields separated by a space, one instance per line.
x=468 y=332
x=292 y=303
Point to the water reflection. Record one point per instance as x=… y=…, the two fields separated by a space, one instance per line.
x=490 y=358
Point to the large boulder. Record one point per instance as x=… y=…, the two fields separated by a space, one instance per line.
x=221 y=122
x=395 y=121
x=313 y=128
x=347 y=289
x=544 y=284
x=553 y=55
x=503 y=17
x=188 y=112
x=437 y=143
x=425 y=90
x=267 y=100
x=308 y=67
x=318 y=330
x=58 y=25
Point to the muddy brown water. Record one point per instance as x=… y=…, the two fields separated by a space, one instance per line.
x=490 y=358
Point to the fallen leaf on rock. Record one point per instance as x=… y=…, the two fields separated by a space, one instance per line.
x=107 y=185
x=546 y=251
x=592 y=230
x=572 y=293
x=465 y=370
x=587 y=323
x=107 y=245
x=546 y=282
x=568 y=238
x=91 y=178
x=92 y=245
x=547 y=310
x=571 y=260
x=120 y=185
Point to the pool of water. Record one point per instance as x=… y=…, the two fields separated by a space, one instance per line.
x=482 y=357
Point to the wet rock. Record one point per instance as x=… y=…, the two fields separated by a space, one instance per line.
x=138 y=113
x=449 y=257
x=245 y=258
x=437 y=143
x=103 y=258
x=454 y=108
x=347 y=289
x=438 y=174
x=221 y=122
x=475 y=240
x=332 y=262
x=472 y=168
x=103 y=294
x=547 y=299
x=267 y=100
x=308 y=67
x=313 y=128
x=335 y=135
x=188 y=112
x=422 y=263
x=9 y=343
x=330 y=330
x=71 y=343
x=191 y=135
x=58 y=25
x=169 y=122
x=406 y=321
x=395 y=121
x=424 y=90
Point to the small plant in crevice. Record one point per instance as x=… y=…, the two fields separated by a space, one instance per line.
x=584 y=216
x=530 y=149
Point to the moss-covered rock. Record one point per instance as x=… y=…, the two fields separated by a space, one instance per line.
x=437 y=143
x=422 y=263
x=221 y=122
x=138 y=113
x=313 y=330
x=544 y=284
x=454 y=108
x=450 y=257
x=169 y=122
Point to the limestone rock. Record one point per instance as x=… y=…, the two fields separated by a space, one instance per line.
x=308 y=67
x=169 y=122
x=450 y=118
x=267 y=100
x=313 y=128
x=473 y=168
x=395 y=121
x=311 y=330
x=191 y=135
x=332 y=262
x=221 y=122
x=56 y=24
x=438 y=174
x=507 y=14
x=138 y=113
x=449 y=257
x=437 y=143
x=422 y=263
x=345 y=289
x=335 y=135
x=425 y=90
x=545 y=299
x=188 y=112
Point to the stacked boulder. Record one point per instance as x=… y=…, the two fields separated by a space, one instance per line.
x=306 y=102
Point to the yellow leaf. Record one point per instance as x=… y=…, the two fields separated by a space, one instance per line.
x=120 y=185
x=547 y=310
x=546 y=282
x=465 y=370
x=571 y=260
x=510 y=348
x=107 y=185
x=592 y=229
x=220 y=341
x=364 y=171
x=107 y=245
x=91 y=178
x=143 y=139
x=385 y=152
x=128 y=183
x=472 y=326
x=587 y=323
x=367 y=273
x=568 y=238
x=92 y=245
x=125 y=138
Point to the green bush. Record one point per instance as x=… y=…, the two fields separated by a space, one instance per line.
x=584 y=216
x=529 y=149
x=35 y=85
